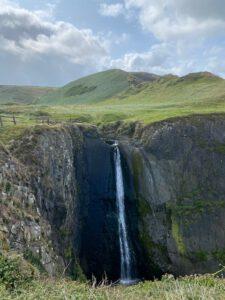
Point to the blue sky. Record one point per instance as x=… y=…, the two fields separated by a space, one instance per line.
x=55 y=41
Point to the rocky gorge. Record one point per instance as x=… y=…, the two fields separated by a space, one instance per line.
x=58 y=207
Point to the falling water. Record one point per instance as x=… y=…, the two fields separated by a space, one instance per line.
x=125 y=252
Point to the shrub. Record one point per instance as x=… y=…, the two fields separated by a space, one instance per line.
x=15 y=271
x=8 y=187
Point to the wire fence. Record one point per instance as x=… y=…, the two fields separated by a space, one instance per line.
x=7 y=118
x=13 y=120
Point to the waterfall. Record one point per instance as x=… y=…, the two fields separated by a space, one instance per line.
x=125 y=251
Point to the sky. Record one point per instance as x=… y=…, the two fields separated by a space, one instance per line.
x=52 y=42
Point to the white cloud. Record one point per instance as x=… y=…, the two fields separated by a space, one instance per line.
x=186 y=32
x=111 y=10
x=172 y=58
x=159 y=59
x=34 y=48
x=180 y=19
x=154 y=58
x=31 y=36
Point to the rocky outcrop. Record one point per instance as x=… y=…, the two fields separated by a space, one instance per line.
x=70 y=173
x=58 y=202
x=22 y=227
x=177 y=168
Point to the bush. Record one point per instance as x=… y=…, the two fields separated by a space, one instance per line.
x=15 y=271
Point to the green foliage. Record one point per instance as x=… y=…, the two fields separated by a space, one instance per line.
x=7 y=187
x=143 y=207
x=219 y=255
x=68 y=252
x=201 y=255
x=177 y=235
x=34 y=260
x=220 y=148
x=78 y=273
x=197 y=207
x=64 y=232
x=212 y=147
x=14 y=271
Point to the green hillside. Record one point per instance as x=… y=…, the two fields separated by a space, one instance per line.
x=145 y=98
x=22 y=94
x=172 y=90
x=96 y=87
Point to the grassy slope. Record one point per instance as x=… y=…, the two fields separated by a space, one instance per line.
x=202 y=287
x=171 y=97
x=22 y=94
x=153 y=101
x=149 y=102
x=95 y=88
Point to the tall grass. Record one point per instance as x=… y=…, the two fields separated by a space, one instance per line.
x=192 y=287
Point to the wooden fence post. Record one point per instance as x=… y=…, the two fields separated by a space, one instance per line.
x=14 y=119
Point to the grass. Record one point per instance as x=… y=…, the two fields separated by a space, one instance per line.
x=90 y=89
x=148 y=102
x=100 y=114
x=192 y=287
x=103 y=113
x=96 y=88
x=119 y=87
x=10 y=94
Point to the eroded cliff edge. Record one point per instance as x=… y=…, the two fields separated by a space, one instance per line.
x=58 y=197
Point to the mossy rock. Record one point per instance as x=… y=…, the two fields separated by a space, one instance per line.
x=177 y=236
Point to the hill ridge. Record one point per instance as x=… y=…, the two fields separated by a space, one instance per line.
x=98 y=87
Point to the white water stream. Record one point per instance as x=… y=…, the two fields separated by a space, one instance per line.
x=125 y=251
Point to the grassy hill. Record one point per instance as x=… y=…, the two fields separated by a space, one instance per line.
x=135 y=97
x=193 y=88
x=22 y=94
x=96 y=88
x=117 y=87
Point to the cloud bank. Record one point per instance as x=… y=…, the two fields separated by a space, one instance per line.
x=190 y=36
x=32 y=43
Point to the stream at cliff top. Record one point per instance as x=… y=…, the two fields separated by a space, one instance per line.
x=125 y=251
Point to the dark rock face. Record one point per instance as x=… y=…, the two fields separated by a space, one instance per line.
x=57 y=187
x=178 y=171
x=72 y=175
x=99 y=252
x=22 y=227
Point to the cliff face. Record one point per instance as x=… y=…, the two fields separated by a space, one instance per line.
x=71 y=174
x=58 y=202
x=22 y=227
x=178 y=169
